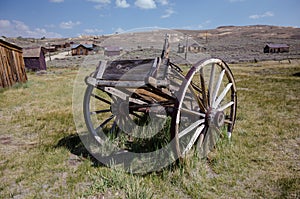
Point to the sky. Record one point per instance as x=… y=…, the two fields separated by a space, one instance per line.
x=72 y=18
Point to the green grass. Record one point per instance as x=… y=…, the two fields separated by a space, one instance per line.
x=42 y=157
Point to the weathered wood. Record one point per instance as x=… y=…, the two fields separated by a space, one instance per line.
x=12 y=67
x=133 y=70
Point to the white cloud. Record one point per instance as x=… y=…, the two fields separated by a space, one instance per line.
x=4 y=24
x=16 y=28
x=145 y=4
x=69 y=24
x=122 y=4
x=93 y=31
x=168 y=13
x=100 y=1
x=163 y=2
x=266 y=14
x=56 y=1
x=119 y=30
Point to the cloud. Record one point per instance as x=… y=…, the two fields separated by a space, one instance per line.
x=266 y=14
x=4 y=23
x=168 y=13
x=100 y=1
x=56 y=1
x=145 y=4
x=93 y=31
x=16 y=28
x=69 y=24
x=119 y=30
x=122 y=4
x=163 y=2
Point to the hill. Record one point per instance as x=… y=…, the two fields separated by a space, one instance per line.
x=246 y=43
x=231 y=43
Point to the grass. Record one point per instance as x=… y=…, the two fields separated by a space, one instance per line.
x=42 y=157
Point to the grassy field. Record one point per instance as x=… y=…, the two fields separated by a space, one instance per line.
x=40 y=150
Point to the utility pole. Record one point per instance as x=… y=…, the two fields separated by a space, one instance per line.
x=49 y=51
x=186 y=46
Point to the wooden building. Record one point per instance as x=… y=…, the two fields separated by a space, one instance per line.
x=12 y=67
x=112 y=51
x=276 y=48
x=181 y=48
x=34 y=59
x=195 y=48
x=81 y=49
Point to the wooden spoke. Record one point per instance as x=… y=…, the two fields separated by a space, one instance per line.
x=100 y=98
x=222 y=108
x=194 y=138
x=222 y=95
x=100 y=111
x=185 y=110
x=190 y=128
x=211 y=82
x=216 y=90
x=104 y=123
x=203 y=86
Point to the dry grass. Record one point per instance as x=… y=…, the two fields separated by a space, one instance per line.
x=41 y=156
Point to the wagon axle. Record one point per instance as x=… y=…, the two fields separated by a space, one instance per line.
x=215 y=117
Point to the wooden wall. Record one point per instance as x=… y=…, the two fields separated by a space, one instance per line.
x=12 y=67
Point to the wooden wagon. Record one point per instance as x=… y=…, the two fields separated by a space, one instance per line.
x=195 y=107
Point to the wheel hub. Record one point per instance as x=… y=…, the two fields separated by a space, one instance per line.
x=215 y=117
x=119 y=108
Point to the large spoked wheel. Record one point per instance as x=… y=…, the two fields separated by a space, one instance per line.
x=98 y=114
x=206 y=107
x=106 y=115
x=112 y=120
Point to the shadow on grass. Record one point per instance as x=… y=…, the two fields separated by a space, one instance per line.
x=74 y=144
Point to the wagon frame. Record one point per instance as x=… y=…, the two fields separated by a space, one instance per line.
x=201 y=104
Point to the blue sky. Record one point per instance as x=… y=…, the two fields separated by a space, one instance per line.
x=71 y=18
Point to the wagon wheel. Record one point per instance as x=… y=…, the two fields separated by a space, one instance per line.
x=206 y=107
x=107 y=115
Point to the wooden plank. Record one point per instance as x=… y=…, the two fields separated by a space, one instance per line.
x=116 y=69
x=101 y=68
x=12 y=67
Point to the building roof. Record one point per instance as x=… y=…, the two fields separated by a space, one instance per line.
x=88 y=46
x=195 y=45
x=10 y=45
x=32 y=52
x=277 y=45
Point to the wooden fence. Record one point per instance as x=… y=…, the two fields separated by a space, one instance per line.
x=12 y=67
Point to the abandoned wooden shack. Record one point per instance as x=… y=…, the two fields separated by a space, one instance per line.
x=34 y=59
x=112 y=51
x=195 y=48
x=12 y=67
x=276 y=48
x=181 y=48
x=81 y=49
